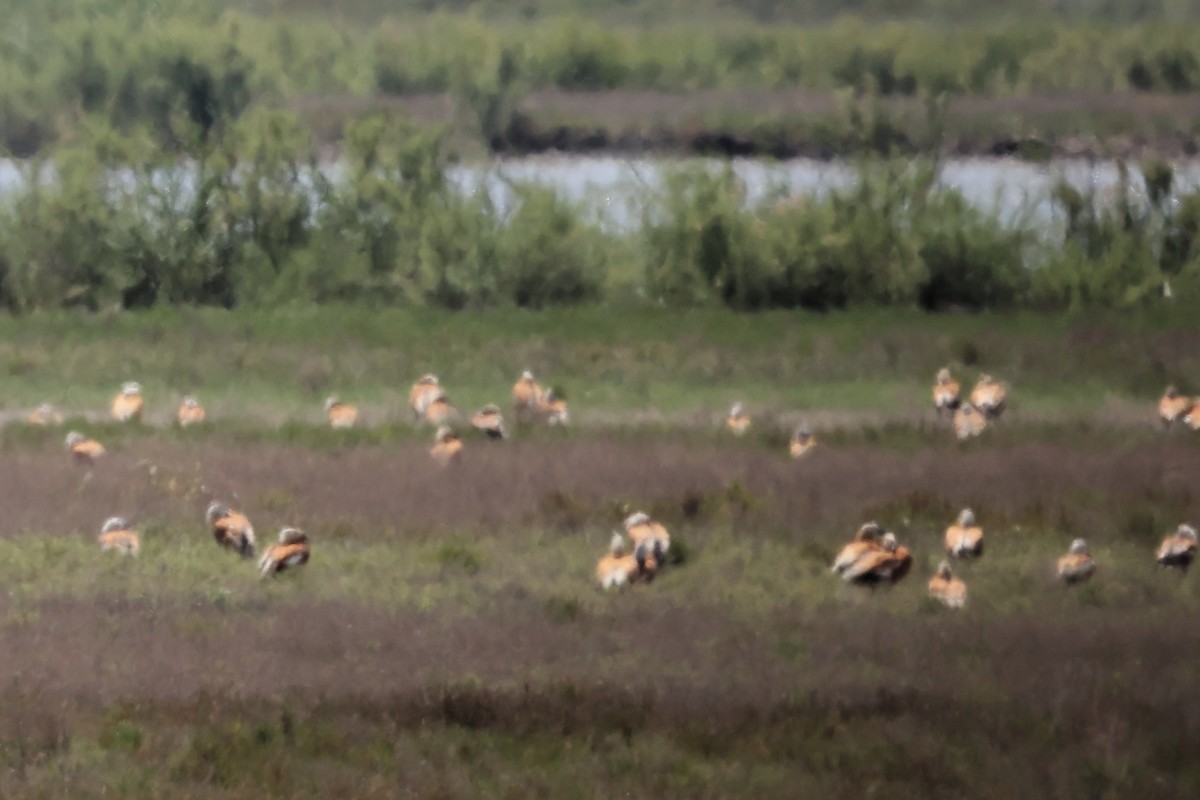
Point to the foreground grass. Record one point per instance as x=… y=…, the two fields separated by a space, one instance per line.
x=279 y=365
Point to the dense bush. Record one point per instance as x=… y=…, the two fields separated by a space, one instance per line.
x=185 y=71
x=247 y=216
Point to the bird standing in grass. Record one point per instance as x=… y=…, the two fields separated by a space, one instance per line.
x=526 y=394
x=341 y=415
x=127 y=405
x=190 y=412
x=947 y=589
x=616 y=569
x=864 y=541
x=1178 y=549
x=489 y=422
x=423 y=393
x=648 y=535
x=118 y=535
x=292 y=551
x=44 y=414
x=1077 y=565
x=440 y=410
x=946 y=392
x=964 y=539
x=969 y=421
x=84 y=449
x=886 y=562
x=738 y=421
x=231 y=529
x=1173 y=406
x=552 y=408
x=989 y=396
x=802 y=442
x=446 y=446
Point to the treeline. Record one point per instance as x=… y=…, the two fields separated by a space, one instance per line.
x=144 y=66
x=247 y=218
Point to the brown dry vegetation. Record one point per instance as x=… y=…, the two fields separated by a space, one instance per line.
x=746 y=669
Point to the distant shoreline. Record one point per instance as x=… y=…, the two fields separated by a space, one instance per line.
x=801 y=123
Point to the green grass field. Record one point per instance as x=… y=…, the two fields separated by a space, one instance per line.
x=447 y=639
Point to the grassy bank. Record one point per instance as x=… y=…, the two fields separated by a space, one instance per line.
x=614 y=366
x=446 y=639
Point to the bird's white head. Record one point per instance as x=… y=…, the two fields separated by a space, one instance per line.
x=636 y=518
x=1186 y=532
x=527 y=375
x=74 y=438
x=616 y=545
x=943 y=375
x=1079 y=547
x=331 y=401
x=966 y=518
x=291 y=535
x=115 y=524
x=131 y=388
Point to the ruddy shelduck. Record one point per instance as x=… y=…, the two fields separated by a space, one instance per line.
x=84 y=449
x=1173 y=406
x=737 y=421
x=969 y=421
x=618 y=569
x=118 y=535
x=440 y=410
x=127 y=405
x=231 y=529
x=489 y=421
x=190 y=411
x=446 y=446
x=292 y=551
x=865 y=540
x=947 y=589
x=964 y=539
x=989 y=396
x=44 y=414
x=340 y=415
x=1077 y=565
x=802 y=442
x=526 y=394
x=424 y=392
x=552 y=409
x=888 y=562
x=946 y=392
x=651 y=534
x=1178 y=549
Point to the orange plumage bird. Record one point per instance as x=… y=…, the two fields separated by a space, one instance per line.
x=292 y=550
x=964 y=539
x=489 y=422
x=1178 y=549
x=802 y=442
x=84 y=449
x=190 y=412
x=423 y=393
x=969 y=421
x=118 y=535
x=737 y=421
x=1077 y=565
x=1173 y=406
x=231 y=529
x=946 y=392
x=127 y=405
x=446 y=446
x=340 y=415
x=989 y=396
x=947 y=589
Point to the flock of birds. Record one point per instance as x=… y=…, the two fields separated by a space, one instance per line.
x=232 y=529
x=872 y=558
